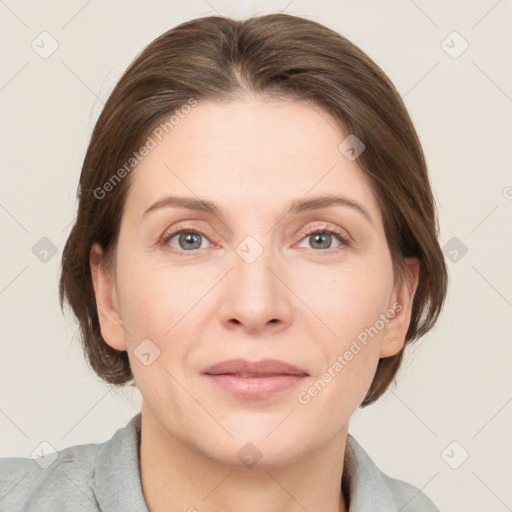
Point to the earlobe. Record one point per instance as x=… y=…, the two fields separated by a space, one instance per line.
x=393 y=339
x=107 y=301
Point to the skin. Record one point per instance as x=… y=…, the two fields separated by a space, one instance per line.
x=251 y=157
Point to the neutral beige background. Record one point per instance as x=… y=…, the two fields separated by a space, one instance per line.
x=455 y=385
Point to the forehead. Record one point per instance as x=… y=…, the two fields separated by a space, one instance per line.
x=259 y=152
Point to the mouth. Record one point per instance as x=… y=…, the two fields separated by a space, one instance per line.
x=254 y=380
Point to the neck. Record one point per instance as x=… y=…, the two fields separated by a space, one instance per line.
x=176 y=477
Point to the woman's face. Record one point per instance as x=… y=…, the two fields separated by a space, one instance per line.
x=252 y=281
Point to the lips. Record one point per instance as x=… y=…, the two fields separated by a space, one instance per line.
x=263 y=368
x=255 y=380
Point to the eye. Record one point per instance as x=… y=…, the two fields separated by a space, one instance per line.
x=322 y=238
x=187 y=240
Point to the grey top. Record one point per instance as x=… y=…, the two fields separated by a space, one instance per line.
x=106 y=477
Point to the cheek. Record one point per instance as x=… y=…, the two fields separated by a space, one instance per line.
x=154 y=296
x=350 y=305
x=347 y=350
x=351 y=300
x=154 y=303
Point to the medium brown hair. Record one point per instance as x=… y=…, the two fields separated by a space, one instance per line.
x=276 y=55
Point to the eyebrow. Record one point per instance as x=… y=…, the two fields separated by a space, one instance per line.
x=293 y=207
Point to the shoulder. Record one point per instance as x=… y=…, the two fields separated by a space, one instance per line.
x=370 y=489
x=50 y=482
x=407 y=497
x=81 y=478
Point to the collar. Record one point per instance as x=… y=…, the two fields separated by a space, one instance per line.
x=117 y=480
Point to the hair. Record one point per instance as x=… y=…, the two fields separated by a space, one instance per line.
x=277 y=56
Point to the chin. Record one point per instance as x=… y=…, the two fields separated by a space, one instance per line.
x=257 y=455
x=253 y=447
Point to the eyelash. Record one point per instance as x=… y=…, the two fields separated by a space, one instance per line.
x=342 y=237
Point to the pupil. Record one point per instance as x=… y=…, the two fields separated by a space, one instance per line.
x=188 y=238
x=326 y=237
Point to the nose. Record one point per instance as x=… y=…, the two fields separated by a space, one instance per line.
x=254 y=293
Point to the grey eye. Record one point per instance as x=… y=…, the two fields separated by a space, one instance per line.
x=188 y=240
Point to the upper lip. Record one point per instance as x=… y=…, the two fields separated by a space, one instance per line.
x=264 y=367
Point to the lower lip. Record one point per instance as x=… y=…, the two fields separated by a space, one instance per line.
x=255 y=388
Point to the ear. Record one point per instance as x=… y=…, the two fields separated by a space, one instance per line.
x=393 y=339
x=107 y=301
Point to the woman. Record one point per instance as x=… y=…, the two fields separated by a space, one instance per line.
x=286 y=160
